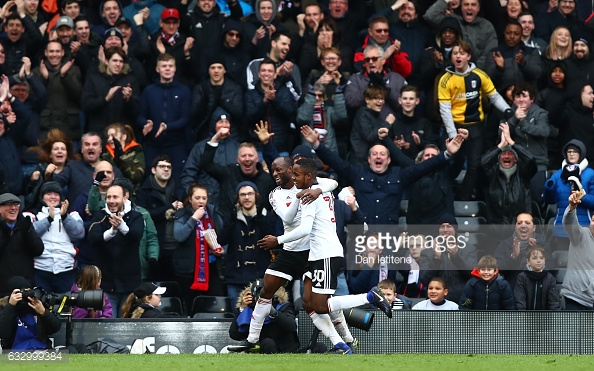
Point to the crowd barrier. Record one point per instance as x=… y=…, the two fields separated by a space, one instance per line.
x=451 y=332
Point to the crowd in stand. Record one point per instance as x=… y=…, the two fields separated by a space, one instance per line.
x=138 y=140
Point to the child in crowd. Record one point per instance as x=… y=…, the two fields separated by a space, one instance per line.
x=144 y=302
x=536 y=288
x=437 y=291
x=487 y=290
x=411 y=131
x=90 y=279
x=396 y=301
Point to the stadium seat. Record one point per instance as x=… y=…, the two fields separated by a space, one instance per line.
x=470 y=208
x=171 y=306
x=470 y=224
x=403 y=207
x=173 y=289
x=474 y=239
x=211 y=304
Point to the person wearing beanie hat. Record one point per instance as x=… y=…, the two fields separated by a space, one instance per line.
x=60 y=230
x=580 y=64
x=217 y=92
x=557 y=188
x=144 y=302
x=245 y=261
x=226 y=154
x=509 y=169
x=17 y=312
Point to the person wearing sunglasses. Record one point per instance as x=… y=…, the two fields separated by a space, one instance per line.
x=394 y=59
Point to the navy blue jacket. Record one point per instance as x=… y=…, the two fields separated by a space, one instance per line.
x=379 y=195
x=169 y=103
x=478 y=294
x=278 y=113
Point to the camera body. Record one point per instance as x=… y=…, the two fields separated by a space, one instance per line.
x=84 y=299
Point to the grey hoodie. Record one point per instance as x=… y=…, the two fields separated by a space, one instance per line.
x=578 y=284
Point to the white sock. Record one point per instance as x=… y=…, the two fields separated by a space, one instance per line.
x=341 y=326
x=345 y=302
x=324 y=324
x=261 y=310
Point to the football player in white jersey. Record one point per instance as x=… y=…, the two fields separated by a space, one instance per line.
x=325 y=258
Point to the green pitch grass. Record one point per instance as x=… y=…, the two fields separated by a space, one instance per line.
x=307 y=362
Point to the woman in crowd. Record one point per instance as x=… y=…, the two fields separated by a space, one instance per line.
x=125 y=152
x=53 y=154
x=144 y=302
x=90 y=279
x=560 y=47
x=191 y=227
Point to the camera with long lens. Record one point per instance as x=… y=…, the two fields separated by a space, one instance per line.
x=84 y=299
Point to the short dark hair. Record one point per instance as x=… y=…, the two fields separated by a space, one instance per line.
x=162 y=157
x=524 y=86
x=276 y=35
x=68 y=2
x=440 y=280
x=267 y=61
x=308 y=165
x=412 y=88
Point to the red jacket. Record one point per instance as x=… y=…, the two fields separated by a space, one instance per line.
x=399 y=61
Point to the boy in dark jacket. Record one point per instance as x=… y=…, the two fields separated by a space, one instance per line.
x=487 y=290
x=536 y=288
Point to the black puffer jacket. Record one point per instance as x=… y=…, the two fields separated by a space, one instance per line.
x=532 y=285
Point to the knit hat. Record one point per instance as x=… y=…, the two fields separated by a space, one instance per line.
x=302 y=150
x=113 y=32
x=148 y=288
x=125 y=20
x=448 y=218
x=232 y=25
x=48 y=187
x=18 y=282
x=508 y=149
x=246 y=183
x=216 y=58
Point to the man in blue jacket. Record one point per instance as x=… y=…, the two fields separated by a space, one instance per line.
x=164 y=116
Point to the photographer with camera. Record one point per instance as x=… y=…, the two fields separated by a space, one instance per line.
x=19 y=244
x=279 y=333
x=25 y=323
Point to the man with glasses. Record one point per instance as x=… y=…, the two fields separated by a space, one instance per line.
x=373 y=56
x=19 y=244
x=379 y=34
x=158 y=195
